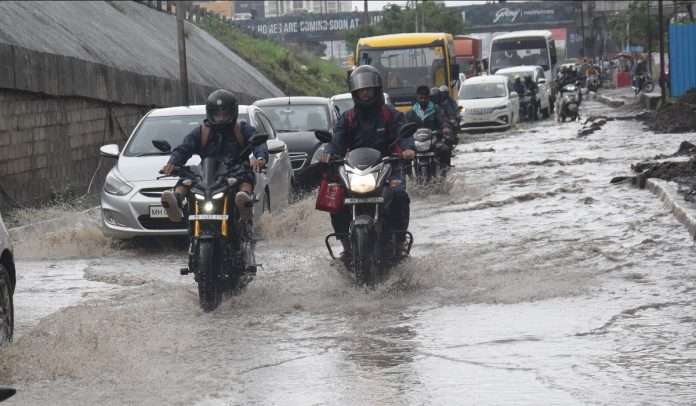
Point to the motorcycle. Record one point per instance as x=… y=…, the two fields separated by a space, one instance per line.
x=593 y=82
x=568 y=104
x=374 y=248
x=643 y=83
x=221 y=252
x=528 y=109
x=426 y=166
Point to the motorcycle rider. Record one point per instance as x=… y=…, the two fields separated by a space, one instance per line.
x=222 y=137
x=531 y=85
x=518 y=86
x=639 y=71
x=427 y=114
x=569 y=76
x=371 y=123
x=449 y=106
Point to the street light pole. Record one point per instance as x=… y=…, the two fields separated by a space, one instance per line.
x=181 y=40
x=662 y=51
x=582 y=29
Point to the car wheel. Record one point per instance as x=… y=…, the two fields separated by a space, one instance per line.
x=6 y=307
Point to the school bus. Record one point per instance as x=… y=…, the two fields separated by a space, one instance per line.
x=407 y=61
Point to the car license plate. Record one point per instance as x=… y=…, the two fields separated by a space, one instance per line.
x=219 y=217
x=364 y=200
x=158 y=212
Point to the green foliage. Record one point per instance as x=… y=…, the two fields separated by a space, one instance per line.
x=295 y=71
x=435 y=18
x=642 y=25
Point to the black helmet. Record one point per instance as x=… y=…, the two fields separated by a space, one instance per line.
x=366 y=77
x=435 y=95
x=221 y=108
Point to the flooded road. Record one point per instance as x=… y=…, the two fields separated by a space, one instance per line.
x=533 y=281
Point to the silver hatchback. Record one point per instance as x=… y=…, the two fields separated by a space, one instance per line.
x=130 y=198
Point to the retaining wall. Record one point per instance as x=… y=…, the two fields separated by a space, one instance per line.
x=77 y=75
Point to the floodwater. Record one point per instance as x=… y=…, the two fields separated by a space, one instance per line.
x=533 y=281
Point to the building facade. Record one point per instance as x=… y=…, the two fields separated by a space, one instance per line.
x=279 y=8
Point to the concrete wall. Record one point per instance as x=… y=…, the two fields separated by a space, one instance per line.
x=49 y=145
x=77 y=75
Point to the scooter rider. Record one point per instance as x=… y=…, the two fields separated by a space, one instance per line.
x=371 y=123
x=427 y=114
x=223 y=137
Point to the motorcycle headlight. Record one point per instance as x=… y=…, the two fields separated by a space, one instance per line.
x=217 y=196
x=199 y=196
x=208 y=206
x=423 y=146
x=362 y=183
x=423 y=134
x=115 y=185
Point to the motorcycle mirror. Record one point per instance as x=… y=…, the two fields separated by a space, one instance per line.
x=162 y=145
x=258 y=139
x=323 y=135
x=6 y=393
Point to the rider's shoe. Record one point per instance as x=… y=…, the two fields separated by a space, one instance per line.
x=347 y=255
x=172 y=203
x=245 y=204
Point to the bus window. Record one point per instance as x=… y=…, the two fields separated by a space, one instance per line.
x=517 y=52
x=405 y=69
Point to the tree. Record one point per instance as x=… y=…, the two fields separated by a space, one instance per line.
x=396 y=19
x=635 y=26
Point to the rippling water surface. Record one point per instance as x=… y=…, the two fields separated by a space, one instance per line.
x=533 y=281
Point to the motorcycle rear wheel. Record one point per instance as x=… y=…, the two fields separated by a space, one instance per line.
x=209 y=286
x=649 y=87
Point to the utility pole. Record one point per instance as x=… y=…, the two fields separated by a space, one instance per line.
x=415 y=10
x=662 y=51
x=582 y=29
x=365 y=15
x=650 y=34
x=183 y=71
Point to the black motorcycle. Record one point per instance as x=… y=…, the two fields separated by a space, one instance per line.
x=568 y=103
x=643 y=83
x=528 y=106
x=426 y=166
x=374 y=248
x=221 y=253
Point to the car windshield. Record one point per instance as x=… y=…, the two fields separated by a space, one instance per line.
x=298 y=117
x=344 y=104
x=517 y=52
x=405 y=69
x=482 y=91
x=172 y=129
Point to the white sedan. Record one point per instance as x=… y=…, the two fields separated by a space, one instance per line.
x=488 y=103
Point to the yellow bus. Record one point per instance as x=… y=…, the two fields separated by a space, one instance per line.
x=407 y=61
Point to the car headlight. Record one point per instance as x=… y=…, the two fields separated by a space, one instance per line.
x=115 y=185
x=217 y=196
x=362 y=183
x=504 y=106
x=199 y=196
x=317 y=154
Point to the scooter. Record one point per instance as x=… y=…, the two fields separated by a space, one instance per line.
x=568 y=104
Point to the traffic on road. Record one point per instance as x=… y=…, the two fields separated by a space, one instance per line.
x=437 y=235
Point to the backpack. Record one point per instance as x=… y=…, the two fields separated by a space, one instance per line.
x=385 y=114
x=205 y=134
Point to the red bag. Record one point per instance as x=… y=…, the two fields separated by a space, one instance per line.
x=331 y=196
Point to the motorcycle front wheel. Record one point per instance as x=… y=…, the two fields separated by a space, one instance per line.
x=363 y=258
x=649 y=87
x=209 y=287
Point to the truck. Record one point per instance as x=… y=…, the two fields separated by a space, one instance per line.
x=467 y=53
